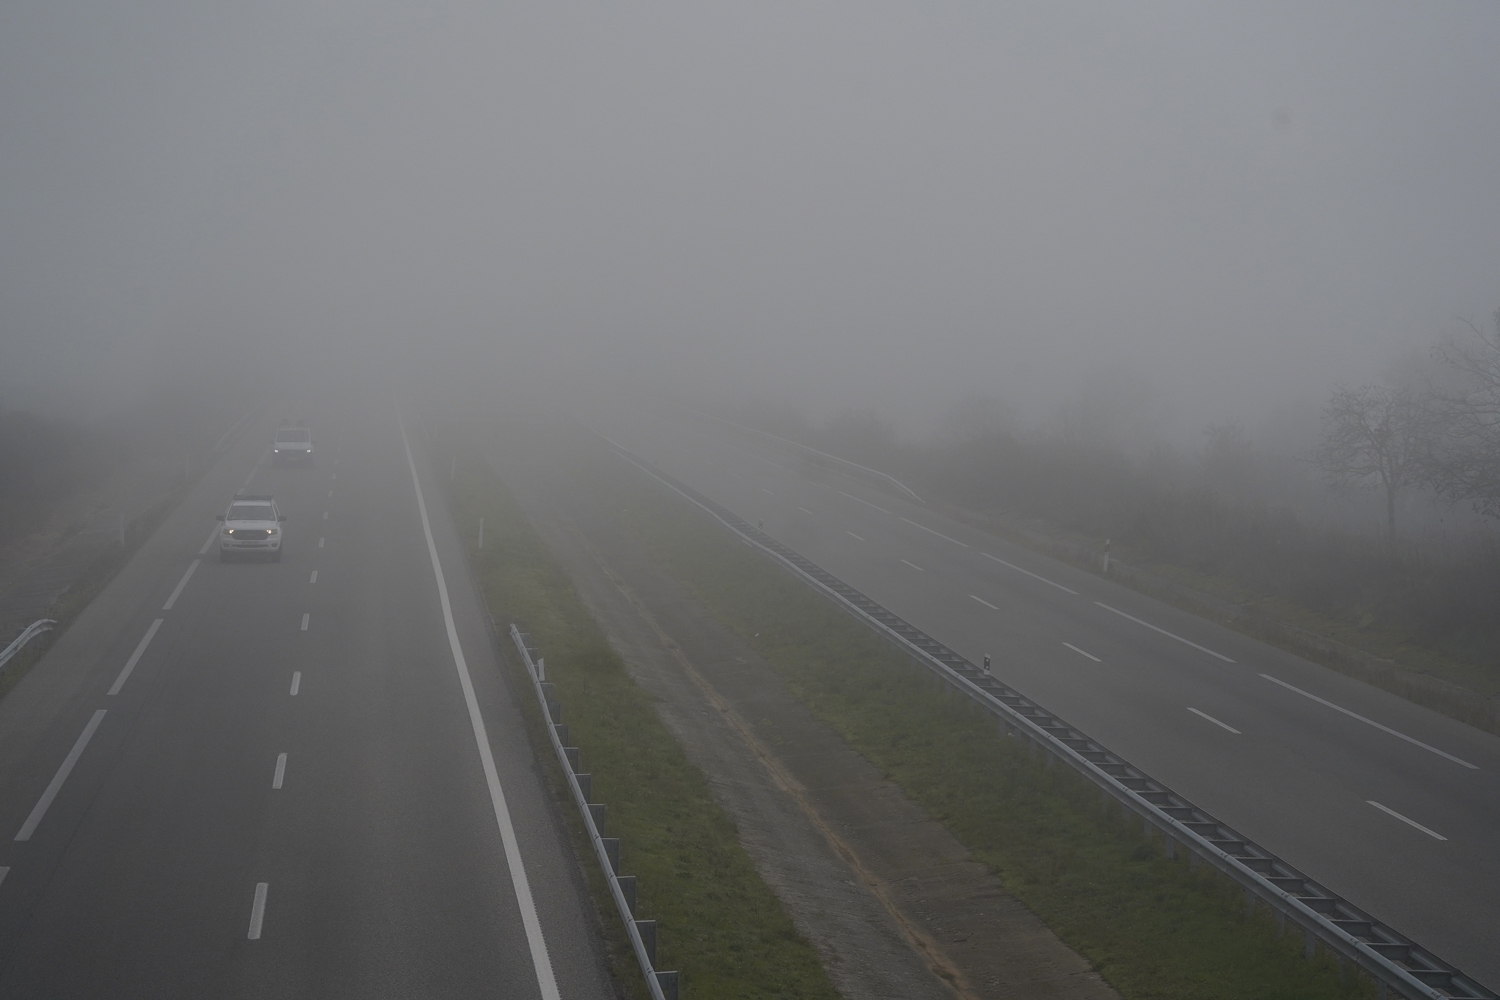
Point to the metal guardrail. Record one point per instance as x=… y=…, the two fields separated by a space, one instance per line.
x=663 y=985
x=31 y=631
x=1395 y=961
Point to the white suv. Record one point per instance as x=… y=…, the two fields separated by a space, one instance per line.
x=293 y=444
x=252 y=525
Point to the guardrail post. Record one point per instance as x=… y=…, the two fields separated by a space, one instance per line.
x=612 y=851
x=627 y=889
x=647 y=930
x=572 y=754
x=562 y=732
x=585 y=783
x=668 y=983
x=554 y=711
x=599 y=812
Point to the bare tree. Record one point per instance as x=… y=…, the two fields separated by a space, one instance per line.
x=1376 y=438
x=1465 y=465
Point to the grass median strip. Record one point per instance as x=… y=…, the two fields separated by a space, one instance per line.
x=719 y=924
x=1153 y=927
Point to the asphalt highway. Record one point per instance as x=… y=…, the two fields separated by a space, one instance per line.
x=1390 y=804
x=297 y=779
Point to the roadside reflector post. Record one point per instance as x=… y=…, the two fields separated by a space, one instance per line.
x=1106 y=557
x=481 y=532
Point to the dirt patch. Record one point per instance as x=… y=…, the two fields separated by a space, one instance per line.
x=896 y=906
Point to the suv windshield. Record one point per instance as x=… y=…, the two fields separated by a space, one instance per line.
x=292 y=436
x=249 y=512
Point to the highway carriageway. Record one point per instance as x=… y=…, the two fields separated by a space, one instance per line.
x=305 y=778
x=1393 y=806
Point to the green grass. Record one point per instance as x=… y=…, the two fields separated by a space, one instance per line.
x=718 y=923
x=1152 y=927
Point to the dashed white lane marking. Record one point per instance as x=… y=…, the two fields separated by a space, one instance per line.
x=40 y=809
x=934 y=531
x=135 y=658
x=211 y=536
x=1028 y=572
x=1170 y=635
x=330 y=492
x=1409 y=822
x=1082 y=653
x=258 y=910
x=853 y=535
x=1216 y=722
x=764 y=490
x=305 y=616
x=296 y=682
x=280 y=771
x=985 y=603
x=320 y=543
x=546 y=980
x=914 y=566
x=1372 y=722
x=325 y=515
x=180 y=584
x=862 y=500
x=804 y=510
x=314 y=577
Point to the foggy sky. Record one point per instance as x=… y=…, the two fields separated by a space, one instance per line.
x=1227 y=208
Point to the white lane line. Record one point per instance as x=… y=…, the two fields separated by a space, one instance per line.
x=985 y=603
x=1372 y=722
x=42 y=804
x=305 y=616
x=853 y=535
x=134 y=658
x=1028 y=572
x=314 y=577
x=804 y=510
x=1216 y=722
x=1410 y=822
x=320 y=543
x=934 y=531
x=1082 y=653
x=4 y=871
x=330 y=492
x=280 y=771
x=325 y=515
x=258 y=909
x=211 y=536
x=334 y=476
x=862 y=500
x=1171 y=635
x=296 y=682
x=546 y=981
x=180 y=584
x=914 y=566
x=764 y=490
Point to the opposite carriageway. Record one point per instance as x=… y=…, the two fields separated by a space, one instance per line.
x=1392 y=959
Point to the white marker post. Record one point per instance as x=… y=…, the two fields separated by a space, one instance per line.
x=1106 y=557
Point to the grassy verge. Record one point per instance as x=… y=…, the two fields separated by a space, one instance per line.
x=719 y=924
x=1153 y=927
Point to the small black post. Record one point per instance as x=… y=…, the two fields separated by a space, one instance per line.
x=647 y=930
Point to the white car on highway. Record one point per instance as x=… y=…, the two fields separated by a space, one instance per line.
x=292 y=444
x=252 y=526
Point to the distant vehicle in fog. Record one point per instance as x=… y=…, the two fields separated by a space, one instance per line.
x=293 y=444
x=252 y=526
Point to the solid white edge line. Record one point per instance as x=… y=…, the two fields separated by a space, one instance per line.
x=1082 y=653
x=546 y=981
x=1410 y=822
x=306 y=616
x=325 y=515
x=280 y=771
x=320 y=543
x=180 y=584
x=985 y=603
x=211 y=536
x=42 y=804
x=862 y=500
x=914 y=566
x=258 y=910
x=296 y=681
x=804 y=510
x=314 y=578
x=1029 y=573
x=1216 y=722
x=934 y=531
x=1170 y=635
x=1371 y=722
x=764 y=490
x=135 y=657
x=852 y=534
